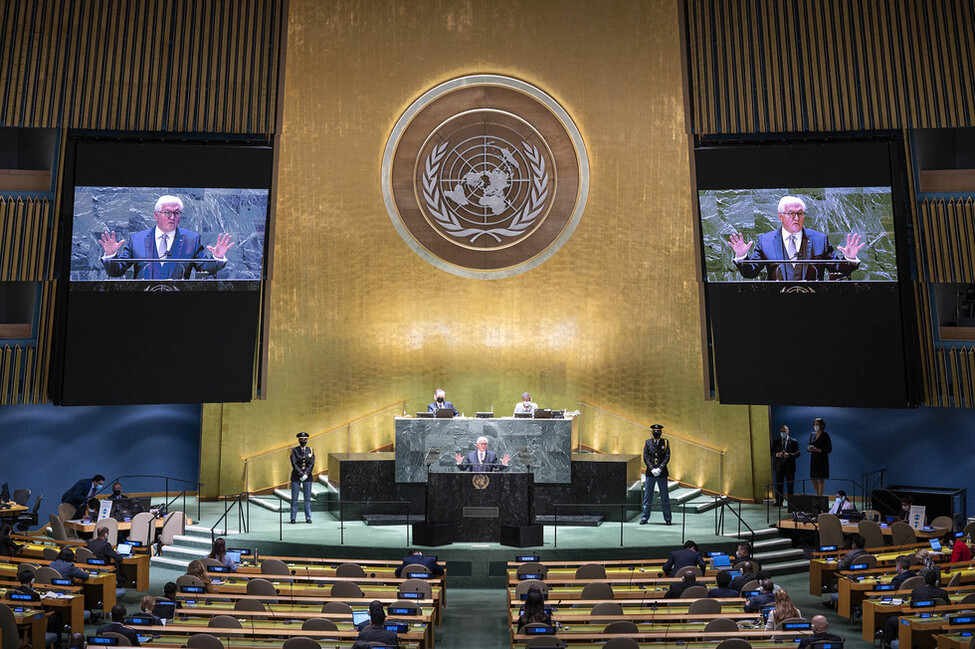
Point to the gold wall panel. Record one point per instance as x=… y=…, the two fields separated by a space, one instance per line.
x=770 y=66
x=141 y=65
x=358 y=321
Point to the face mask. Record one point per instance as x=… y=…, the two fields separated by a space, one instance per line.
x=784 y=435
x=439 y=399
x=116 y=492
x=816 y=428
x=657 y=434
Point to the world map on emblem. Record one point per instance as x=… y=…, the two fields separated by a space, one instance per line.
x=485 y=176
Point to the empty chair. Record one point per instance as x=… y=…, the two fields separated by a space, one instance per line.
x=26 y=520
x=522 y=588
x=21 y=496
x=264 y=588
x=869 y=559
x=722 y=625
x=414 y=569
x=872 y=534
x=9 y=633
x=66 y=512
x=346 y=589
x=319 y=624
x=968 y=599
x=750 y=585
x=275 y=567
x=789 y=620
x=143 y=529
x=621 y=626
x=689 y=570
x=26 y=567
x=694 y=592
x=112 y=526
x=49 y=553
x=252 y=605
x=45 y=574
x=606 y=608
x=58 y=533
x=734 y=643
x=705 y=606
x=830 y=530
x=203 y=641
x=597 y=590
x=591 y=571
x=209 y=563
x=422 y=587
x=945 y=522
x=533 y=568
x=544 y=642
x=911 y=583
x=969 y=531
x=189 y=580
x=122 y=640
x=955 y=579
x=173 y=525
x=81 y=554
x=301 y=642
x=902 y=534
x=353 y=570
x=621 y=643
x=337 y=608
x=224 y=622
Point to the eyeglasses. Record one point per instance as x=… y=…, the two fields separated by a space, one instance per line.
x=171 y=212
x=794 y=214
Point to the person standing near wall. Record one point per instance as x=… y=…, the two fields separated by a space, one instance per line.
x=302 y=463
x=656 y=455
x=820 y=446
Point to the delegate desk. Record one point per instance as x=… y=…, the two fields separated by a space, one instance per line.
x=66 y=599
x=11 y=510
x=181 y=629
x=99 y=589
x=80 y=527
x=824 y=569
x=638 y=572
x=577 y=635
x=850 y=529
x=877 y=611
x=32 y=624
x=918 y=631
x=959 y=640
x=134 y=568
x=854 y=586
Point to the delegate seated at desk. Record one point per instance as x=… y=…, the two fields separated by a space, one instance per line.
x=481 y=460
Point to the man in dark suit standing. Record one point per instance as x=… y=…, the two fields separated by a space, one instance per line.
x=785 y=450
x=164 y=241
x=302 y=464
x=440 y=403
x=81 y=491
x=416 y=557
x=686 y=556
x=656 y=455
x=794 y=242
x=481 y=460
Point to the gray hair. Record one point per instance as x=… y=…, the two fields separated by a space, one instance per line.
x=439 y=393
x=789 y=200
x=482 y=438
x=162 y=200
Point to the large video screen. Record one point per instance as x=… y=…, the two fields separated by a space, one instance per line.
x=805 y=267
x=837 y=233
x=163 y=242
x=168 y=234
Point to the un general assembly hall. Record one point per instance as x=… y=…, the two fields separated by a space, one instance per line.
x=631 y=323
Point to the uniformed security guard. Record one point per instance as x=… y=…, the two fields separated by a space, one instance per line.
x=656 y=455
x=302 y=463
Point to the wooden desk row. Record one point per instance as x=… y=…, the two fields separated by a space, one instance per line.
x=135 y=568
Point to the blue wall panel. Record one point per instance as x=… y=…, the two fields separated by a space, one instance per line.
x=932 y=447
x=48 y=448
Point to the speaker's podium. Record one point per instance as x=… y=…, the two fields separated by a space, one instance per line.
x=466 y=506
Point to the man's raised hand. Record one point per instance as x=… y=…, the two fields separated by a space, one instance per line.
x=739 y=245
x=109 y=244
x=219 y=250
x=854 y=244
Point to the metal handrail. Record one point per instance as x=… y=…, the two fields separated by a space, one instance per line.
x=719 y=520
x=167 y=478
x=243 y=522
x=770 y=489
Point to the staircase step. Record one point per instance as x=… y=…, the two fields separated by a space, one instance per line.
x=193 y=540
x=763 y=532
x=771 y=544
x=672 y=485
x=787 y=554
x=170 y=562
x=786 y=567
x=581 y=520
x=178 y=551
x=273 y=505
x=709 y=504
x=685 y=495
x=284 y=494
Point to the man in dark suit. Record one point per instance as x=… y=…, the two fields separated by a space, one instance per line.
x=930 y=589
x=723 y=580
x=747 y=575
x=376 y=632
x=118 y=616
x=904 y=571
x=656 y=455
x=686 y=556
x=164 y=241
x=416 y=557
x=820 y=628
x=102 y=549
x=785 y=450
x=302 y=465
x=440 y=403
x=676 y=590
x=765 y=597
x=81 y=491
x=64 y=564
x=794 y=242
x=856 y=551
x=481 y=460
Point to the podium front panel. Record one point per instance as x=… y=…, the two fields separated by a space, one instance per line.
x=476 y=504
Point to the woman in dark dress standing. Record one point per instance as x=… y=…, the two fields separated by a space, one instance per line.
x=819 y=449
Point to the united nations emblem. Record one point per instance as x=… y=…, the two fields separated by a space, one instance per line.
x=480 y=481
x=485 y=176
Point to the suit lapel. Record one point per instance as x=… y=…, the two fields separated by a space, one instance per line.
x=150 y=269
x=174 y=252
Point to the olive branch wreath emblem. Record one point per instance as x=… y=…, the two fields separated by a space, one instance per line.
x=449 y=221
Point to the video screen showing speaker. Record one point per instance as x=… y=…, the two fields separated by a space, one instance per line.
x=805 y=264
x=164 y=248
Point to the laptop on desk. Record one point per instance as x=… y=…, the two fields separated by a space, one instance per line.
x=444 y=413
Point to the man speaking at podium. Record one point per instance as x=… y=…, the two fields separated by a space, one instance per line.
x=163 y=242
x=481 y=460
x=794 y=242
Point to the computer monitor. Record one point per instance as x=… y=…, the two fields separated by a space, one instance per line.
x=523 y=415
x=125 y=509
x=164 y=610
x=124 y=549
x=721 y=561
x=424 y=415
x=233 y=556
x=543 y=413
x=444 y=413
x=358 y=617
x=935 y=544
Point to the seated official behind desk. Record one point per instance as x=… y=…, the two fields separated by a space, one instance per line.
x=481 y=460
